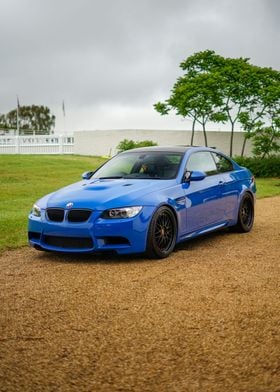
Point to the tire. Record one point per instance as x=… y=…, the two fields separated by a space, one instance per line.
x=162 y=234
x=245 y=214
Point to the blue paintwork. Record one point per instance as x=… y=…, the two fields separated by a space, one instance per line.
x=200 y=205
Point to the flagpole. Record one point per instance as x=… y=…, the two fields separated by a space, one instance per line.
x=17 y=116
x=63 y=111
x=17 y=135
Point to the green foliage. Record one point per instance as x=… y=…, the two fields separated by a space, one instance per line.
x=31 y=119
x=125 y=145
x=26 y=178
x=130 y=144
x=266 y=167
x=262 y=121
x=214 y=88
x=266 y=141
x=196 y=93
x=162 y=108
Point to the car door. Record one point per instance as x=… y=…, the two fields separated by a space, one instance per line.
x=203 y=198
x=229 y=190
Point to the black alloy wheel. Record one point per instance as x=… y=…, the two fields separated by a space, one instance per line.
x=162 y=233
x=245 y=214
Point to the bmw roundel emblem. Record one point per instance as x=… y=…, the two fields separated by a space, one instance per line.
x=69 y=205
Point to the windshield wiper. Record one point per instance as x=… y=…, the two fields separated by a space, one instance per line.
x=142 y=176
x=110 y=177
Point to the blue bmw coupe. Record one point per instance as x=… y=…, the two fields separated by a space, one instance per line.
x=146 y=200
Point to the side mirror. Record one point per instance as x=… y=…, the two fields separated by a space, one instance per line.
x=194 y=176
x=86 y=175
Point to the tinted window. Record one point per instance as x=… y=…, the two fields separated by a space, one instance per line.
x=223 y=164
x=202 y=161
x=150 y=164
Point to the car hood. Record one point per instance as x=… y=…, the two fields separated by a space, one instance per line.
x=106 y=193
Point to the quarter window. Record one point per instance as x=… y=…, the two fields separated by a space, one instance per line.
x=202 y=161
x=223 y=164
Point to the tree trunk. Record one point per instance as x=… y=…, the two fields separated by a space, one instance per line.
x=243 y=146
x=193 y=128
x=231 y=139
x=205 y=136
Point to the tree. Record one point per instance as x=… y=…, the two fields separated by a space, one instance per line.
x=36 y=119
x=239 y=89
x=237 y=85
x=265 y=113
x=3 y=123
x=220 y=89
x=194 y=95
x=266 y=141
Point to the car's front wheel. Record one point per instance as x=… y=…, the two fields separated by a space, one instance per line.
x=245 y=214
x=162 y=233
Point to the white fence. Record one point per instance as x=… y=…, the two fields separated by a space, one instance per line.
x=39 y=144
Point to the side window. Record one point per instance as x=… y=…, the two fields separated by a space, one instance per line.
x=223 y=164
x=202 y=161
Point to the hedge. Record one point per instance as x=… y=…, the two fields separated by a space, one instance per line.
x=126 y=144
x=266 y=167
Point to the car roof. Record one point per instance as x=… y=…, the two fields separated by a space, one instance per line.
x=172 y=149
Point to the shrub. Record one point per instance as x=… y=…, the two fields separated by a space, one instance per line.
x=129 y=144
x=266 y=167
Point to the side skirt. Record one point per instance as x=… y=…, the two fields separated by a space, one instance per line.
x=204 y=231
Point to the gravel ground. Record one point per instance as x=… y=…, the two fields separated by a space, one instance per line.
x=205 y=319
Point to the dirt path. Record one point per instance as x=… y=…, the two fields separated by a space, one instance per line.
x=205 y=319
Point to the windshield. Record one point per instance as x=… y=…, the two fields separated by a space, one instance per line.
x=152 y=164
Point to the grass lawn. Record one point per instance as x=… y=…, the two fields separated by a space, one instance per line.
x=267 y=187
x=26 y=178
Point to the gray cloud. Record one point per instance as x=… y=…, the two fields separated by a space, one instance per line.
x=120 y=56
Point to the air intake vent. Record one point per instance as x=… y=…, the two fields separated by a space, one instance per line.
x=78 y=215
x=32 y=235
x=55 y=214
x=69 y=242
x=116 y=241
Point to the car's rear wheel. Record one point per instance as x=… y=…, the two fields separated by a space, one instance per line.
x=245 y=214
x=162 y=233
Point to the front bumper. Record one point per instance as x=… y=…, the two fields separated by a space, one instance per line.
x=96 y=235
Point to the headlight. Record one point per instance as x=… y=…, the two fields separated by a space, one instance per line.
x=121 y=213
x=36 y=211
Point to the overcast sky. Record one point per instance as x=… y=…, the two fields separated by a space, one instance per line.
x=110 y=60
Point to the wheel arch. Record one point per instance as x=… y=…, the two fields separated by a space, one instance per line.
x=240 y=225
x=172 y=209
x=246 y=192
x=173 y=213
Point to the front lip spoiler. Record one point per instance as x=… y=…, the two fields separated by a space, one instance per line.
x=37 y=247
x=44 y=247
x=99 y=249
